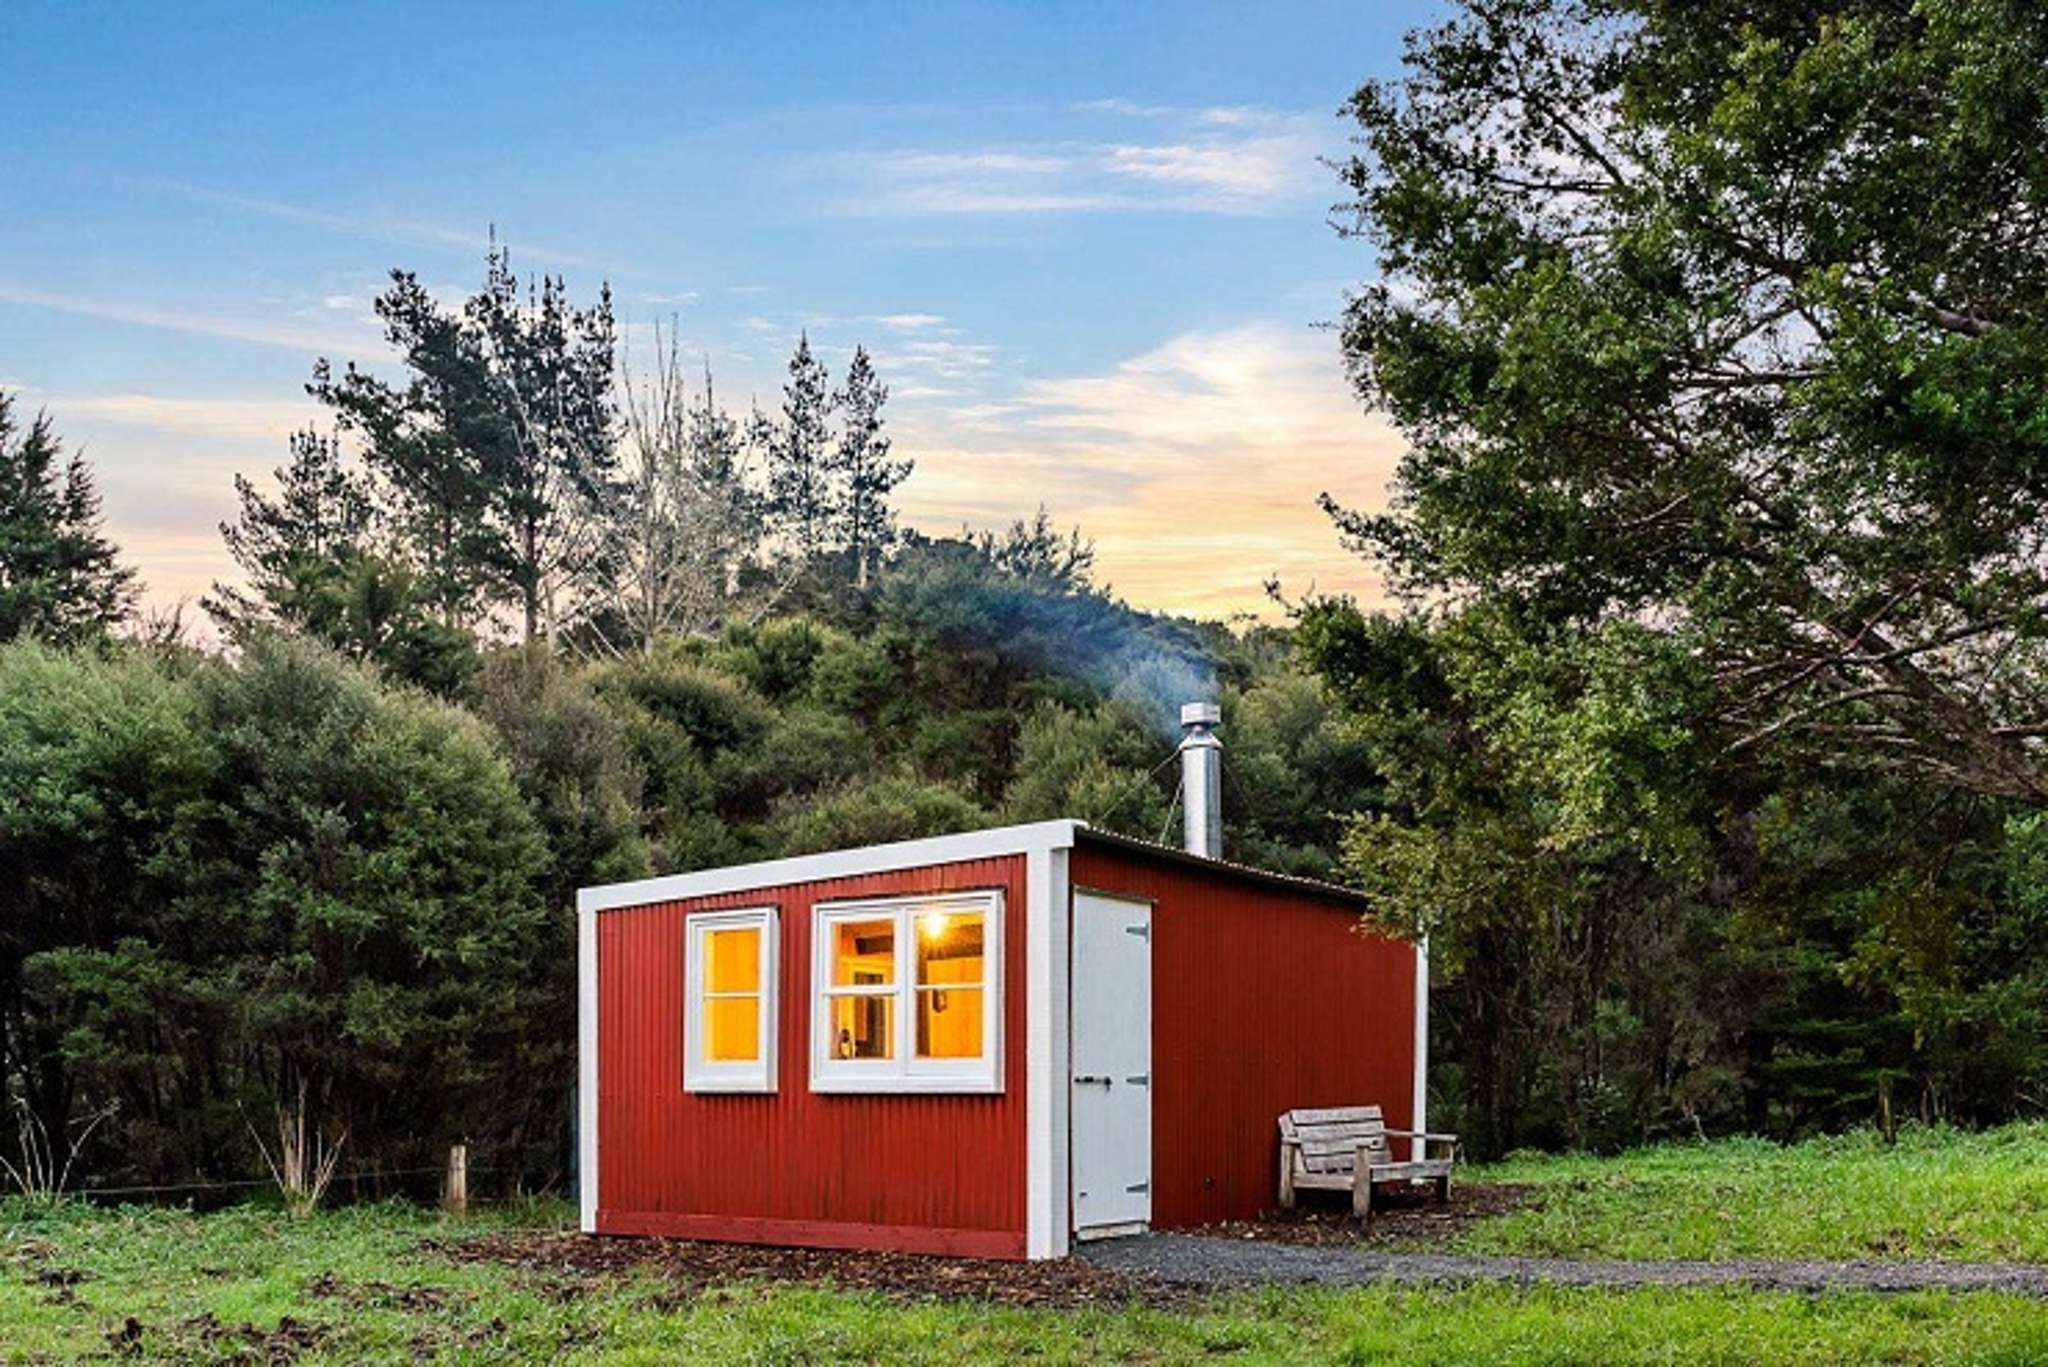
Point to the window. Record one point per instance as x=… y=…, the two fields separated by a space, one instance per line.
x=906 y=994
x=729 y=1038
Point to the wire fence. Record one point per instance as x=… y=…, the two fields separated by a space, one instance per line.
x=357 y=1176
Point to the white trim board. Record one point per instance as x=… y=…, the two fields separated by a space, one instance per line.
x=586 y=1067
x=997 y=843
x=1048 y=1172
x=1419 y=1120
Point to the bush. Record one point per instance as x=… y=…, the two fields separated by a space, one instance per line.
x=873 y=813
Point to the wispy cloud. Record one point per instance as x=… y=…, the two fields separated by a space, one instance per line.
x=1247 y=171
x=910 y=322
x=321 y=340
x=253 y=419
x=936 y=356
x=1222 y=160
x=381 y=227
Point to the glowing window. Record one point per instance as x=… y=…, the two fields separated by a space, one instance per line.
x=907 y=997
x=729 y=1037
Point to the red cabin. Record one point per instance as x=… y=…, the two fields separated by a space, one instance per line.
x=986 y=1044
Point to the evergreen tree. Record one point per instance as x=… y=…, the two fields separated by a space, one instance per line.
x=865 y=472
x=286 y=547
x=801 y=488
x=60 y=578
x=497 y=451
x=314 y=564
x=547 y=476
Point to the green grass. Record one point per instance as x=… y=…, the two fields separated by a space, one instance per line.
x=387 y=1300
x=1937 y=1193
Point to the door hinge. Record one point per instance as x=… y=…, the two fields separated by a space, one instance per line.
x=1094 y=1078
x=1139 y=1079
x=1139 y=1186
x=1142 y=932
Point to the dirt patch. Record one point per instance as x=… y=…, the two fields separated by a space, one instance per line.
x=376 y=1295
x=205 y=1336
x=1406 y=1220
x=569 y=1263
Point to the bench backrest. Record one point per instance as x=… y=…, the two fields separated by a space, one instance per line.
x=1328 y=1140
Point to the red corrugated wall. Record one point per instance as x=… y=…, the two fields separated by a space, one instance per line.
x=920 y=1173
x=1263 y=1000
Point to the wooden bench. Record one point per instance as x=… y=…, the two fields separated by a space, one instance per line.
x=1345 y=1149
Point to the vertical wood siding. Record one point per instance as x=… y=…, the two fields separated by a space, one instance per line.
x=1263 y=1000
x=926 y=1173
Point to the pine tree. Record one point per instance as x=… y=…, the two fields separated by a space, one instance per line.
x=293 y=546
x=547 y=476
x=60 y=578
x=801 y=489
x=315 y=562
x=498 y=449
x=862 y=466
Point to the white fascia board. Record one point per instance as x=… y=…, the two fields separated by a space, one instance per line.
x=1419 y=1120
x=586 y=1067
x=1047 y=925
x=810 y=868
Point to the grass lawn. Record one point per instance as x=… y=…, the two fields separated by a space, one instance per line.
x=1935 y=1194
x=355 y=1285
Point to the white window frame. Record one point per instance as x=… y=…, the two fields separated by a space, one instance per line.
x=904 y=1073
x=699 y=1073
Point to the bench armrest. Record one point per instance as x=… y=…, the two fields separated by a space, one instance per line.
x=1425 y=1138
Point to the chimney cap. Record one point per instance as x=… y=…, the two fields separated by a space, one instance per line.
x=1201 y=714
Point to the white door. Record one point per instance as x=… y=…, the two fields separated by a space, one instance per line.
x=1112 y=1052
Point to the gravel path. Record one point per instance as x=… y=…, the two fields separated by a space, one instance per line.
x=1197 y=1260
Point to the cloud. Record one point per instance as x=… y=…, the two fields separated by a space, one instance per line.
x=253 y=419
x=1195 y=466
x=381 y=227
x=1255 y=169
x=679 y=297
x=910 y=322
x=310 y=340
x=1215 y=160
x=935 y=356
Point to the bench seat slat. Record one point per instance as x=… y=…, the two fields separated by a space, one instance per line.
x=1334 y=1114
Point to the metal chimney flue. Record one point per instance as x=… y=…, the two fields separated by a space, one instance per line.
x=1201 y=779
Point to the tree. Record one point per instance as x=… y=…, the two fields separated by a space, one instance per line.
x=862 y=466
x=498 y=450
x=314 y=562
x=237 y=875
x=802 y=492
x=684 y=522
x=1732 y=320
x=60 y=578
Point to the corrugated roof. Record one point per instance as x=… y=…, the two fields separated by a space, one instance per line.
x=1292 y=882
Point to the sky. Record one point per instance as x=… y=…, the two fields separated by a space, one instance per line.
x=1088 y=244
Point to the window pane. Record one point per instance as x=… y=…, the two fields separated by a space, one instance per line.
x=732 y=960
x=863 y=955
x=949 y=947
x=732 y=1030
x=949 y=1023
x=863 y=1027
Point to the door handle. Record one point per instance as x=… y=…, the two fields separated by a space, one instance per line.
x=1093 y=1077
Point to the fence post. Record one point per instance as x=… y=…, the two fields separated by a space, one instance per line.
x=456 y=1200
